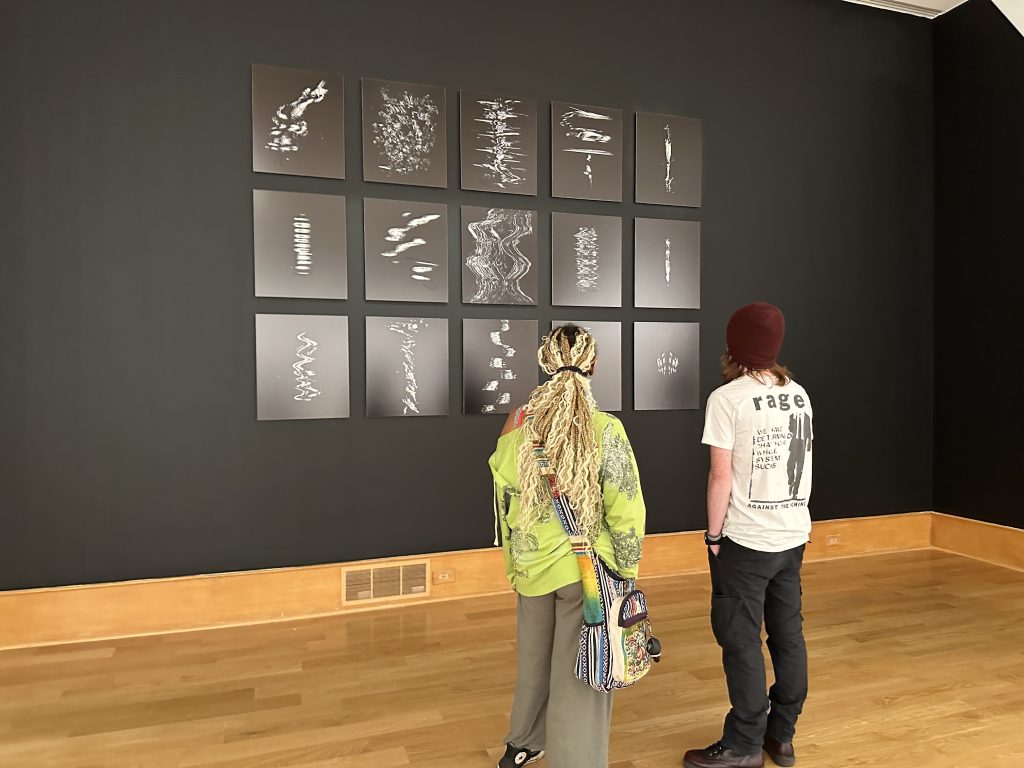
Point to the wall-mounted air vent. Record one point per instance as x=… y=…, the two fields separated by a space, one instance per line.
x=386 y=582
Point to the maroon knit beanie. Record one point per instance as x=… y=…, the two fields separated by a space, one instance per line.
x=754 y=335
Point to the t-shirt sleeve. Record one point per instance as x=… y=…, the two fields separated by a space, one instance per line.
x=719 y=423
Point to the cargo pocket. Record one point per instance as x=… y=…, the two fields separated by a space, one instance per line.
x=724 y=609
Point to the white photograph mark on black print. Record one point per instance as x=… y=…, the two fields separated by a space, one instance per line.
x=404 y=133
x=586 y=260
x=668 y=159
x=499 y=256
x=298 y=122
x=299 y=245
x=406 y=250
x=606 y=383
x=498 y=143
x=667 y=264
x=666 y=373
x=301 y=367
x=781 y=452
x=406 y=366
x=499 y=364
x=586 y=152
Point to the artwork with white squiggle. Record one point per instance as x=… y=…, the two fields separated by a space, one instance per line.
x=667 y=363
x=500 y=137
x=408 y=332
x=302 y=245
x=406 y=250
x=501 y=369
x=304 y=375
x=405 y=242
x=500 y=250
x=587 y=264
x=668 y=159
x=405 y=131
x=668 y=261
x=288 y=123
x=298 y=122
x=592 y=140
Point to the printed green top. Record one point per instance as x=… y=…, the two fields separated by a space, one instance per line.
x=541 y=561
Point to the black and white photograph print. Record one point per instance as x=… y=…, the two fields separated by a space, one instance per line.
x=668 y=159
x=499 y=364
x=406 y=366
x=298 y=122
x=404 y=133
x=586 y=260
x=498 y=143
x=499 y=256
x=301 y=367
x=667 y=264
x=299 y=245
x=406 y=250
x=606 y=383
x=586 y=152
x=666 y=366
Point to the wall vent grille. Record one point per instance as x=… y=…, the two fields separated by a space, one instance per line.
x=386 y=582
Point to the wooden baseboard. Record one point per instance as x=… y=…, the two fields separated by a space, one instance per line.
x=998 y=544
x=102 y=611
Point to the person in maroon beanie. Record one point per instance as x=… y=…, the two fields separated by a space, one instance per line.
x=759 y=426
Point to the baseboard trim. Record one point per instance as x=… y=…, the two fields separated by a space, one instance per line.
x=83 y=613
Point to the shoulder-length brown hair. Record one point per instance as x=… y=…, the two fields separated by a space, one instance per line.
x=731 y=370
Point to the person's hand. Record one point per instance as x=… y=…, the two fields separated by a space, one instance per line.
x=714 y=549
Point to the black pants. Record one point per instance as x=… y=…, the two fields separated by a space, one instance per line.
x=747 y=587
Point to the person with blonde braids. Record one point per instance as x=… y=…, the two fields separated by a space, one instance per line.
x=594 y=464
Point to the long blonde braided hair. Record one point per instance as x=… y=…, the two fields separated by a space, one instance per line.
x=562 y=409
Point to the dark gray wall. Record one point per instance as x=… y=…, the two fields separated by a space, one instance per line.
x=130 y=445
x=979 y=199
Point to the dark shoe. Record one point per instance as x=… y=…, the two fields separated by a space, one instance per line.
x=720 y=756
x=517 y=756
x=781 y=752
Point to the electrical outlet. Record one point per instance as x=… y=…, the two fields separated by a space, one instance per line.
x=832 y=539
x=444 y=577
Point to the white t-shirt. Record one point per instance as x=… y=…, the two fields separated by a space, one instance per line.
x=769 y=429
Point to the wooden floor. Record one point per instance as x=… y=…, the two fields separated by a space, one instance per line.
x=917 y=660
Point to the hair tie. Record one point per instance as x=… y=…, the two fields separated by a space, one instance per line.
x=572 y=368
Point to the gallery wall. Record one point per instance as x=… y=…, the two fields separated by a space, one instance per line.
x=979 y=152
x=130 y=442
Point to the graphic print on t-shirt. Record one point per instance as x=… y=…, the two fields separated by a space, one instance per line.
x=777 y=463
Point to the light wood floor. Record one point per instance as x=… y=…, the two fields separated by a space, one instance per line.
x=917 y=660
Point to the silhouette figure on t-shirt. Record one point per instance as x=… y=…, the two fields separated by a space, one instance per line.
x=799 y=444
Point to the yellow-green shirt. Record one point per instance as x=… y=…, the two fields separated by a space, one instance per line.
x=541 y=561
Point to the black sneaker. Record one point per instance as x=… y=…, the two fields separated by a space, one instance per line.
x=517 y=756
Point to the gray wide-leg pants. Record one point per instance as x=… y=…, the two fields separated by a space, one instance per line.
x=553 y=710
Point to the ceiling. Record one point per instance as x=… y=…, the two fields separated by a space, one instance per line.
x=927 y=8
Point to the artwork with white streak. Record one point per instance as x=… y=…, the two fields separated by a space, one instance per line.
x=666 y=366
x=606 y=383
x=406 y=250
x=406 y=366
x=298 y=122
x=586 y=260
x=498 y=143
x=667 y=264
x=668 y=159
x=499 y=249
x=586 y=152
x=301 y=367
x=299 y=245
x=499 y=364
x=404 y=133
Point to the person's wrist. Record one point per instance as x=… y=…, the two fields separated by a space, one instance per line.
x=712 y=539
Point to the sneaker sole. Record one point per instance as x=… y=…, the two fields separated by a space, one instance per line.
x=533 y=759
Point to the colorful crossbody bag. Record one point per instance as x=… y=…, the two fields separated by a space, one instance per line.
x=616 y=644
